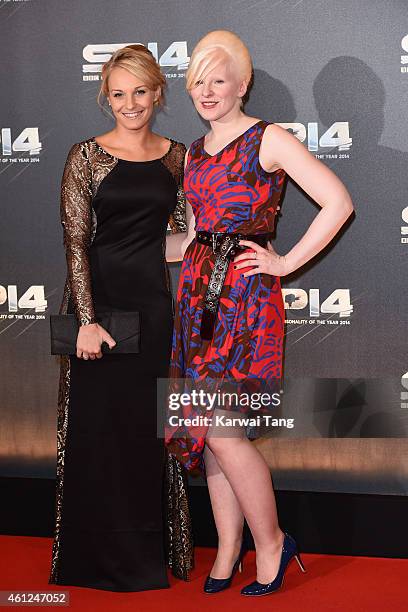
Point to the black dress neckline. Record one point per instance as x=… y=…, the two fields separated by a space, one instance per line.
x=131 y=161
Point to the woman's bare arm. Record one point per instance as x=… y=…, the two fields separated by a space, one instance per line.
x=279 y=149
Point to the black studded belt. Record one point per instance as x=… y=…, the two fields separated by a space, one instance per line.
x=225 y=246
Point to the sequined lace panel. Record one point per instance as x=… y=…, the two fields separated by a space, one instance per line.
x=179 y=540
x=85 y=168
x=174 y=162
x=62 y=424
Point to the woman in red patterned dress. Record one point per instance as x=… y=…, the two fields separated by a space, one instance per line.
x=229 y=321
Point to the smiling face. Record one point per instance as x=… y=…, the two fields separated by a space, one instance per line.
x=219 y=93
x=132 y=102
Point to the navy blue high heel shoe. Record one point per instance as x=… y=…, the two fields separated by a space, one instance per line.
x=215 y=585
x=289 y=551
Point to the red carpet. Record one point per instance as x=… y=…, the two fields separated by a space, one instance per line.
x=331 y=583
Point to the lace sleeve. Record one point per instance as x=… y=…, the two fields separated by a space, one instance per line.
x=177 y=220
x=76 y=196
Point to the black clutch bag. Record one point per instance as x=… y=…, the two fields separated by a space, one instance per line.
x=124 y=327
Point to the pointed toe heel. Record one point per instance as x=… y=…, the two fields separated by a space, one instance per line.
x=216 y=585
x=289 y=551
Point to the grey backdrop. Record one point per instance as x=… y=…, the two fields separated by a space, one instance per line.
x=337 y=71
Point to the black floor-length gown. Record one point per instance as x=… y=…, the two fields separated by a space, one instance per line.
x=116 y=525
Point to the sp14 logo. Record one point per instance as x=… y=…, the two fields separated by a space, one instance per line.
x=28 y=141
x=175 y=56
x=33 y=298
x=337 y=136
x=338 y=302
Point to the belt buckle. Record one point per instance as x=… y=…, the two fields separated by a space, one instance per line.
x=228 y=245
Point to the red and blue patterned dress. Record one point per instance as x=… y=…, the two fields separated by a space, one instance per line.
x=229 y=192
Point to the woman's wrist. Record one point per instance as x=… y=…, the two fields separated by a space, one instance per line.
x=88 y=323
x=290 y=263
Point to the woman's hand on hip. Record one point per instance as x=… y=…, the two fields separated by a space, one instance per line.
x=264 y=261
x=90 y=339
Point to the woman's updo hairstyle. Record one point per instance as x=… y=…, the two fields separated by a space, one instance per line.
x=139 y=61
x=217 y=47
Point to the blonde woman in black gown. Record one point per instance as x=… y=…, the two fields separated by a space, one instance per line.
x=119 y=192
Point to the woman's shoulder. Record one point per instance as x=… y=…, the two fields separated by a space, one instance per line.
x=177 y=146
x=275 y=135
x=81 y=147
x=176 y=151
x=86 y=155
x=89 y=150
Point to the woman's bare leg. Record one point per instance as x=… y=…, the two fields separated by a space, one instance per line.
x=250 y=481
x=228 y=517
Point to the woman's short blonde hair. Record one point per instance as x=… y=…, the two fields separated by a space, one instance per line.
x=215 y=48
x=140 y=62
